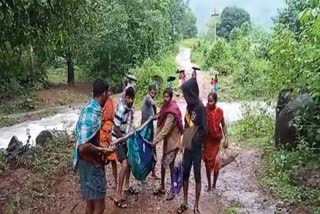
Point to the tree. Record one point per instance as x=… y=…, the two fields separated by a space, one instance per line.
x=289 y=16
x=32 y=31
x=231 y=18
x=72 y=19
x=103 y=37
x=189 y=26
x=182 y=20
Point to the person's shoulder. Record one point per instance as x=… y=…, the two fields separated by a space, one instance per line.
x=121 y=107
x=147 y=97
x=219 y=109
x=170 y=115
x=200 y=106
x=91 y=106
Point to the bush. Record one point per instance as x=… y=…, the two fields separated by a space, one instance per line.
x=164 y=66
x=287 y=173
x=17 y=73
x=3 y=161
x=256 y=124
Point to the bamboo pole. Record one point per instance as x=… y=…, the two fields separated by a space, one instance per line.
x=119 y=141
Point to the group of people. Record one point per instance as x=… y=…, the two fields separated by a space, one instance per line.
x=215 y=83
x=101 y=122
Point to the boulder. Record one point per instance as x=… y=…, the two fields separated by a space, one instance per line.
x=16 y=150
x=44 y=137
x=48 y=135
x=14 y=145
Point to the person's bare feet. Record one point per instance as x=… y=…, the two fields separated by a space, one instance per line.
x=155 y=177
x=208 y=189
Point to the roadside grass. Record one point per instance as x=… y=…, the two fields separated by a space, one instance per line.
x=23 y=103
x=200 y=48
x=29 y=101
x=6 y=121
x=232 y=208
x=58 y=75
x=283 y=173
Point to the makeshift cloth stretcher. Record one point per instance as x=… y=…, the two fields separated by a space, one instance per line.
x=141 y=153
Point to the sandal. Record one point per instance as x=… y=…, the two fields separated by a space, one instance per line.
x=155 y=177
x=196 y=211
x=121 y=204
x=182 y=208
x=159 y=191
x=132 y=191
x=170 y=196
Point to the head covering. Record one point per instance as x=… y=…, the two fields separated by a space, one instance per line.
x=131 y=77
x=190 y=90
x=170 y=108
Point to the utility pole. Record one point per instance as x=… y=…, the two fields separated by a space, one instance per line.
x=215 y=15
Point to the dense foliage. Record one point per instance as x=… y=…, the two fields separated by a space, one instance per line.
x=289 y=16
x=102 y=37
x=232 y=17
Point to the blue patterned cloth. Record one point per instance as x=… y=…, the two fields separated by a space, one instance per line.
x=92 y=180
x=141 y=154
x=88 y=125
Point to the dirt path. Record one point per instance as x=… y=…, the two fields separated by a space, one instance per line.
x=237 y=186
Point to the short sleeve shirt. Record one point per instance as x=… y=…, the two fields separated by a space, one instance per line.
x=147 y=108
x=123 y=119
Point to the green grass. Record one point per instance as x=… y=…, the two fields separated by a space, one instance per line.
x=55 y=154
x=229 y=89
x=232 y=207
x=230 y=210
x=19 y=104
x=280 y=168
x=59 y=74
x=190 y=43
x=255 y=128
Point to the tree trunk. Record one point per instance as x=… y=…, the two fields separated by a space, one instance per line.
x=109 y=63
x=70 y=68
x=32 y=79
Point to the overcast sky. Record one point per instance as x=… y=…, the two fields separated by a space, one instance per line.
x=261 y=11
